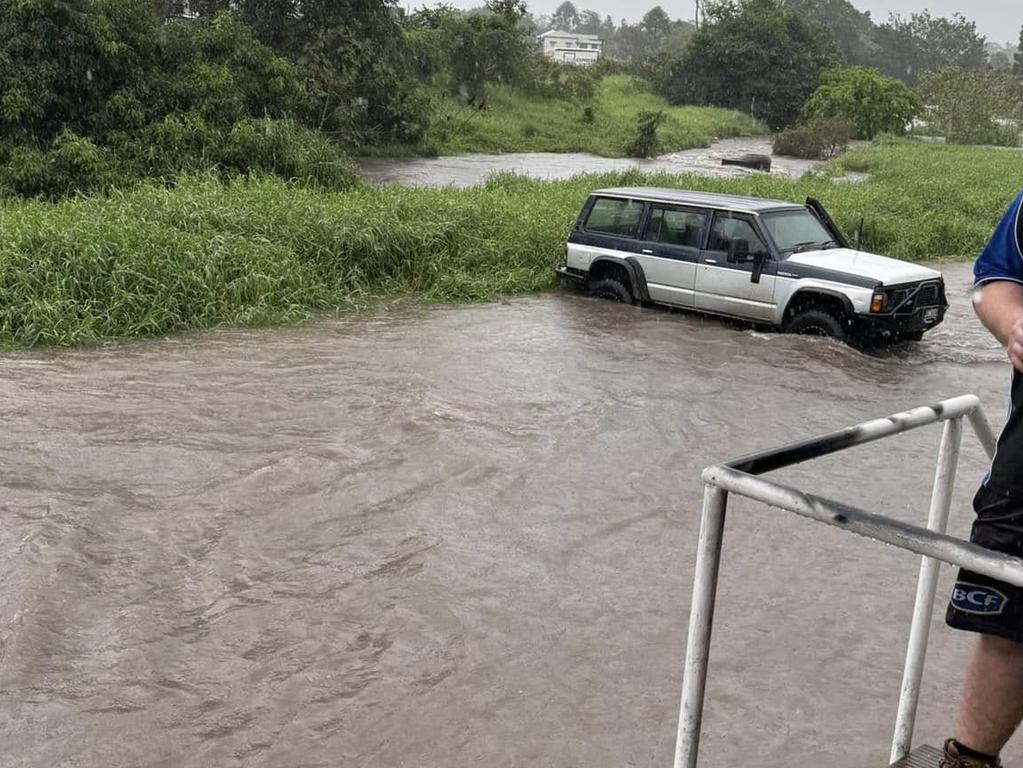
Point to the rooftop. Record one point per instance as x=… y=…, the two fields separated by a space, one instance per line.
x=706 y=199
x=573 y=35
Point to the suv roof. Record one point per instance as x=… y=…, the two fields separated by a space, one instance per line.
x=702 y=199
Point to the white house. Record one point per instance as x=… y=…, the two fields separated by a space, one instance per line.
x=571 y=47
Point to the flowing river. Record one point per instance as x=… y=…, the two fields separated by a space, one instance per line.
x=468 y=170
x=459 y=536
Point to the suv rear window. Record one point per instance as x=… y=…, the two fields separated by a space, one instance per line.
x=674 y=226
x=615 y=217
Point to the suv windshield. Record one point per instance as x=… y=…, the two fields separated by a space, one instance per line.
x=797 y=230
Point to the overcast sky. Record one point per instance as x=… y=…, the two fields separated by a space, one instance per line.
x=998 y=20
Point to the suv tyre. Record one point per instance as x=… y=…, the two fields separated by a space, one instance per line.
x=817 y=322
x=611 y=289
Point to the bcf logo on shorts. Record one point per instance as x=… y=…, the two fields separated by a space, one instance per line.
x=973 y=598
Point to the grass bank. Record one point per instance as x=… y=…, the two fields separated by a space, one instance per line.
x=604 y=125
x=156 y=260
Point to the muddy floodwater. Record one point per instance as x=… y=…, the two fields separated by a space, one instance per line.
x=459 y=536
x=468 y=170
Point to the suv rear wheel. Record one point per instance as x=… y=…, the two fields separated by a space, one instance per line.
x=816 y=322
x=612 y=289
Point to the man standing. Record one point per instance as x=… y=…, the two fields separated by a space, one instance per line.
x=991 y=706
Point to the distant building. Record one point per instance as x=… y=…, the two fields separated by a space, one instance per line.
x=571 y=47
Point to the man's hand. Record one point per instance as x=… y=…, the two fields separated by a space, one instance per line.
x=999 y=305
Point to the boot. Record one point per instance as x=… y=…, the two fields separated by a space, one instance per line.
x=954 y=759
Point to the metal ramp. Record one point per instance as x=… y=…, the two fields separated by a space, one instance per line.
x=743 y=477
x=921 y=757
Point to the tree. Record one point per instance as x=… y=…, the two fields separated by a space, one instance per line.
x=656 y=23
x=467 y=52
x=971 y=107
x=753 y=55
x=871 y=102
x=566 y=17
x=853 y=30
x=589 y=23
x=61 y=60
x=1017 y=64
x=925 y=43
x=512 y=10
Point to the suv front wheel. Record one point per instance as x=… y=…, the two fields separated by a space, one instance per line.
x=816 y=322
x=611 y=289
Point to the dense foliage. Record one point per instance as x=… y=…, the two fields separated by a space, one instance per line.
x=968 y=107
x=869 y=101
x=902 y=47
x=755 y=55
x=97 y=93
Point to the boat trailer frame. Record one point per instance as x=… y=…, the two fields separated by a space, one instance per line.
x=742 y=477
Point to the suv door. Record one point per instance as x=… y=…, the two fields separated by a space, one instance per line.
x=725 y=285
x=670 y=252
x=607 y=226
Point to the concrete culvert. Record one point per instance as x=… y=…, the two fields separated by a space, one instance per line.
x=756 y=162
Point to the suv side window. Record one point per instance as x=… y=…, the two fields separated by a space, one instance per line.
x=675 y=226
x=614 y=216
x=730 y=227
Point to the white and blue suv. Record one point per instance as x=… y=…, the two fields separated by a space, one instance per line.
x=764 y=261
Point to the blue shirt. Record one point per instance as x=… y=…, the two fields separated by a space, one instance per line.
x=1002 y=258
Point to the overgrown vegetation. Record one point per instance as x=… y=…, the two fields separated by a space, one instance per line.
x=821 y=139
x=96 y=95
x=973 y=107
x=157 y=259
x=605 y=124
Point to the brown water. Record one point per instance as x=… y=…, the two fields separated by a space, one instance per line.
x=469 y=170
x=457 y=536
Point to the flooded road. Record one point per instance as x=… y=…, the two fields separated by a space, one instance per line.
x=458 y=536
x=469 y=170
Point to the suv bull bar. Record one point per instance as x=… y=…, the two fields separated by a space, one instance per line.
x=742 y=477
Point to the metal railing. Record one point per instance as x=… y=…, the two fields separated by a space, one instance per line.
x=741 y=477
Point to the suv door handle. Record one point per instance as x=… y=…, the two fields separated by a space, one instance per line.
x=647 y=250
x=710 y=261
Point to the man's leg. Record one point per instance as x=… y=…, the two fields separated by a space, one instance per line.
x=991 y=707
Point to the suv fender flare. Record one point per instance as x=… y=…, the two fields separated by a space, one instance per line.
x=634 y=269
x=803 y=293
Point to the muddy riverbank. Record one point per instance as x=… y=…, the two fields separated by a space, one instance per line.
x=458 y=536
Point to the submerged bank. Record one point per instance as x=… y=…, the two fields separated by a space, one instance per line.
x=474 y=169
x=157 y=260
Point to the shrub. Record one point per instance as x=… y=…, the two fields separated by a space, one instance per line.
x=645 y=143
x=70 y=164
x=864 y=98
x=817 y=140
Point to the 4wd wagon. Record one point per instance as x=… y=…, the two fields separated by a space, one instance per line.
x=765 y=261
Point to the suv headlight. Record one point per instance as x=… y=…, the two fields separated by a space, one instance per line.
x=889 y=300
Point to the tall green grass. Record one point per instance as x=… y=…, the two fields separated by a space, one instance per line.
x=254 y=251
x=605 y=125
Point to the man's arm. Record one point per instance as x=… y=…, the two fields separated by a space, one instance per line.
x=999 y=305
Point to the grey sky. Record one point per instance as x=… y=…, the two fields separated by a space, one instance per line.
x=999 y=20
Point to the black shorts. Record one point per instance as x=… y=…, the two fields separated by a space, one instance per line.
x=980 y=603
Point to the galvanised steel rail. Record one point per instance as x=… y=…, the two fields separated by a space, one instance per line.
x=742 y=477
